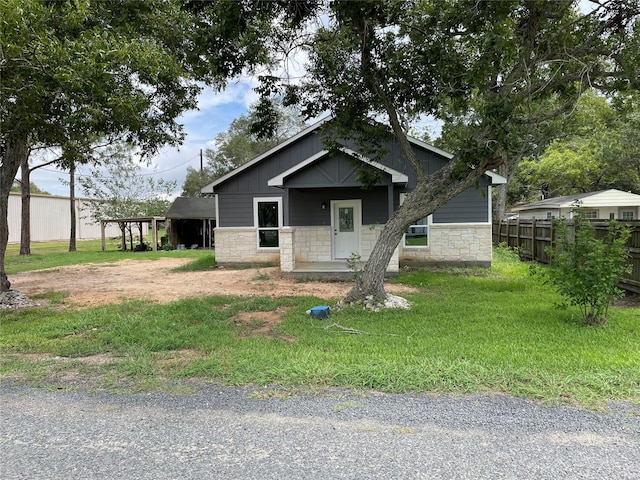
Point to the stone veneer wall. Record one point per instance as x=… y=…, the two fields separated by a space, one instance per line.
x=239 y=245
x=453 y=244
x=312 y=244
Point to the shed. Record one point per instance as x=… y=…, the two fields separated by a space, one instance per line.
x=190 y=222
x=142 y=223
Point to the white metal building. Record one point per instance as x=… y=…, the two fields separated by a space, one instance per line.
x=51 y=219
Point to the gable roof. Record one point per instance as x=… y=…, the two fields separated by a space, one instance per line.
x=602 y=198
x=192 y=208
x=396 y=177
x=495 y=177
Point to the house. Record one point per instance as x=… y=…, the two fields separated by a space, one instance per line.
x=300 y=206
x=190 y=222
x=606 y=204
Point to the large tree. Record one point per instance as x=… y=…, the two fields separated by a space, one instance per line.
x=486 y=62
x=74 y=71
x=600 y=149
x=239 y=144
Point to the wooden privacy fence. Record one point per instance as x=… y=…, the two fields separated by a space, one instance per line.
x=531 y=237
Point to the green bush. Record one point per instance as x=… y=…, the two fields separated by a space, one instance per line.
x=585 y=269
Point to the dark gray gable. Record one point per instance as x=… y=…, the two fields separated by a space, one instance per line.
x=331 y=170
x=192 y=208
x=254 y=179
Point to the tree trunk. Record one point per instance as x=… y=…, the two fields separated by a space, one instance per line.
x=72 y=203
x=500 y=208
x=123 y=237
x=370 y=282
x=507 y=170
x=15 y=150
x=25 y=218
x=430 y=194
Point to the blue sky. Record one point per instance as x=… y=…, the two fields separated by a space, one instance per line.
x=216 y=111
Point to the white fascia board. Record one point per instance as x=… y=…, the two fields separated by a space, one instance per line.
x=278 y=180
x=396 y=176
x=496 y=178
x=209 y=188
x=430 y=147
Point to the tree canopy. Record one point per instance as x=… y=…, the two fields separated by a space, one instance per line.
x=121 y=188
x=599 y=148
x=75 y=71
x=489 y=65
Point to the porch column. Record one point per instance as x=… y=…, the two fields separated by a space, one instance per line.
x=287 y=253
x=390 y=191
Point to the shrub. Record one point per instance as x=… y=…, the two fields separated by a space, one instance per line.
x=585 y=269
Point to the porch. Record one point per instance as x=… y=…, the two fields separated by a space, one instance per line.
x=336 y=270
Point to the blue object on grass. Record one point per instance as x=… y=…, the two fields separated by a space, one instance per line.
x=320 y=312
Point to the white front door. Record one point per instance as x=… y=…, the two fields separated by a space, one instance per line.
x=346 y=219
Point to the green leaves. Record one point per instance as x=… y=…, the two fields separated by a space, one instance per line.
x=122 y=189
x=586 y=268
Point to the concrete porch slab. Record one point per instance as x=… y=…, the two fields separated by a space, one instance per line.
x=325 y=271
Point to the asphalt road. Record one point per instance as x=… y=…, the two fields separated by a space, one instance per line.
x=242 y=433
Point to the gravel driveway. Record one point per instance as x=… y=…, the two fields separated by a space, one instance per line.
x=243 y=433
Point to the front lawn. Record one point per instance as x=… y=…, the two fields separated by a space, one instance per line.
x=470 y=330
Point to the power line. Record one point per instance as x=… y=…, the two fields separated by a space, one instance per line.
x=79 y=175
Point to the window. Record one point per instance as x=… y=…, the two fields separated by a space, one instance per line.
x=549 y=215
x=627 y=215
x=417 y=235
x=591 y=214
x=267 y=215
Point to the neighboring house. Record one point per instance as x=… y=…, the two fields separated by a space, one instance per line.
x=51 y=219
x=606 y=204
x=190 y=222
x=298 y=205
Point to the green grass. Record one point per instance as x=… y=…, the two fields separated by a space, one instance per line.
x=470 y=330
x=203 y=263
x=55 y=254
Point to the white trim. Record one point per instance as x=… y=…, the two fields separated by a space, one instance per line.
x=257 y=200
x=428 y=225
x=495 y=177
x=217 y=208
x=278 y=180
x=396 y=177
x=490 y=204
x=357 y=224
x=209 y=188
x=428 y=146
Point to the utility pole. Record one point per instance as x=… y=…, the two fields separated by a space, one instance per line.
x=201 y=166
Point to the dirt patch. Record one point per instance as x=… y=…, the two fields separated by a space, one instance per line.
x=99 y=284
x=261 y=324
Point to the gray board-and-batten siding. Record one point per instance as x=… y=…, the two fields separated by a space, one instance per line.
x=333 y=178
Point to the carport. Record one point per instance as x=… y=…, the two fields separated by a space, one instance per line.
x=140 y=221
x=190 y=222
